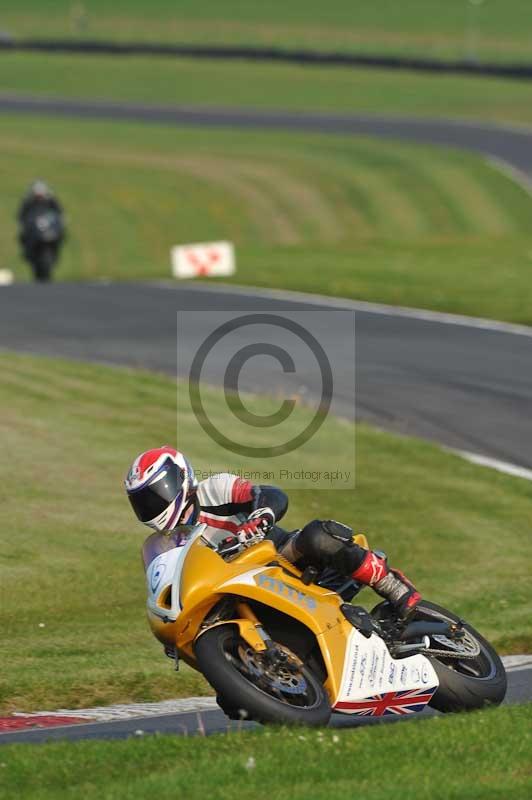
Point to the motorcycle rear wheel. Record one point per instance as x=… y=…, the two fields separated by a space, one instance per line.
x=465 y=684
x=233 y=669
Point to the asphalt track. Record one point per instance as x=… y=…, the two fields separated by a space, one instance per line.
x=466 y=387
x=509 y=144
x=214 y=721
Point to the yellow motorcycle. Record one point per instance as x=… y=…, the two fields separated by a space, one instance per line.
x=278 y=645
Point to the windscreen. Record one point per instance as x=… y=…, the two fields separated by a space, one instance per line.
x=160 y=542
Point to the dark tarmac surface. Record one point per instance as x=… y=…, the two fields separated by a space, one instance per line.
x=465 y=387
x=508 y=143
x=210 y=722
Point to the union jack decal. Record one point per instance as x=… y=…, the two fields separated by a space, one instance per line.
x=389 y=703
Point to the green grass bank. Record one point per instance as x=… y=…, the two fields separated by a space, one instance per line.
x=479 y=756
x=278 y=86
x=376 y=221
x=71 y=584
x=498 y=30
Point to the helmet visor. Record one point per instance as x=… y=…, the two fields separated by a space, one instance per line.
x=166 y=486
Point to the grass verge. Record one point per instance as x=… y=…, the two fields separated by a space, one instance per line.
x=479 y=756
x=256 y=85
x=498 y=30
x=71 y=584
x=377 y=221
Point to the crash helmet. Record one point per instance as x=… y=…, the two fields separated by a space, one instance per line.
x=40 y=188
x=161 y=487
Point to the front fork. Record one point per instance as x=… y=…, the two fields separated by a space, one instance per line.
x=249 y=626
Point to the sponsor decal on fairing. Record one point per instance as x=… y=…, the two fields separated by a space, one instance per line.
x=375 y=684
x=157 y=572
x=287 y=591
x=389 y=703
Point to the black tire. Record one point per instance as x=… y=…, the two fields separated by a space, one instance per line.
x=43 y=263
x=217 y=656
x=469 y=684
x=229 y=711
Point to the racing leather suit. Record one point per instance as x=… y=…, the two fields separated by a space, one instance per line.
x=226 y=501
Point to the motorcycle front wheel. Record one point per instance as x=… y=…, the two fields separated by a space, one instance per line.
x=43 y=262
x=252 y=686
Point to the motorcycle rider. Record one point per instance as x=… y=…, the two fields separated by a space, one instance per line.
x=163 y=491
x=38 y=198
x=41 y=230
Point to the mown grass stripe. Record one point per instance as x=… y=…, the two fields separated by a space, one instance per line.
x=391 y=240
x=481 y=209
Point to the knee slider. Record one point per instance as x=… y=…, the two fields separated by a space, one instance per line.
x=338 y=530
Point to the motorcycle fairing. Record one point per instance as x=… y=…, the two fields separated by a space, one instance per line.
x=164 y=560
x=163 y=572
x=358 y=668
x=186 y=582
x=259 y=574
x=375 y=684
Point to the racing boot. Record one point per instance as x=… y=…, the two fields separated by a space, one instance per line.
x=389 y=583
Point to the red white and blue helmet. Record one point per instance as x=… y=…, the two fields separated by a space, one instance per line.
x=160 y=486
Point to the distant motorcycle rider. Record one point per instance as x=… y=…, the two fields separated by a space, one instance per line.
x=42 y=229
x=163 y=491
x=38 y=198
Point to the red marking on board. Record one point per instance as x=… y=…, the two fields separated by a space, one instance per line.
x=203 y=267
x=8 y=724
